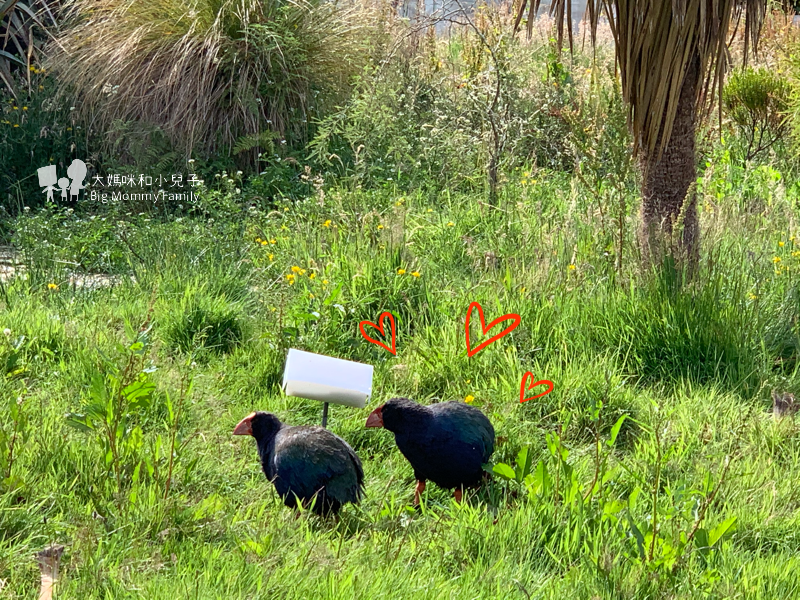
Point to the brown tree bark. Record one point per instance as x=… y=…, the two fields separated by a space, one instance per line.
x=669 y=202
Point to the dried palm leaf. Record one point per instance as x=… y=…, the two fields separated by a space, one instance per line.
x=656 y=44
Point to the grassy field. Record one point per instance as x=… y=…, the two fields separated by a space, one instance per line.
x=692 y=495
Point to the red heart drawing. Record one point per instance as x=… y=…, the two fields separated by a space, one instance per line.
x=379 y=327
x=516 y=318
x=523 y=388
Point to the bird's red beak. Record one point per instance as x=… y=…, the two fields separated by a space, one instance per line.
x=245 y=426
x=375 y=418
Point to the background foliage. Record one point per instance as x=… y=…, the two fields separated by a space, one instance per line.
x=134 y=337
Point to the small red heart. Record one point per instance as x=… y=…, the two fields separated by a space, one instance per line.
x=523 y=388
x=516 y=318
x=379 y=327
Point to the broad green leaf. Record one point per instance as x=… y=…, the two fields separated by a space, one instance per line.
x=541 y=479
x=524 y=459
x=638 y=535
x=136 y=439
x=550 y=438
x=612 y=438
x=632 y=498
x=97 y=389
x=80 y=422
x=149 y=465
x=95 y=410
x=701 y=541
x=726 y=527
x=504 y=471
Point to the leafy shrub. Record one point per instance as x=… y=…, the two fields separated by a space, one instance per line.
x=37 y=129
x=208 y=73
x=86 y=243
x=446 y=112
x=756 y=100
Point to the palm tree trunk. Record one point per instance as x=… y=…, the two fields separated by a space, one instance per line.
x=669 y=202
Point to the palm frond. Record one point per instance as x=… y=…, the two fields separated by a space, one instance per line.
x=659 y=42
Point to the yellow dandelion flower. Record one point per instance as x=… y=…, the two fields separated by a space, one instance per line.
x=263 y=242
x=572 y=267
x=312 y=275
x=753 y=296
x=258 y=240
x=324 y=282
x=311 y=296
x=24 y=108
x=776 y=259
x=16 y=124
x=272 y=241
x=468 y=381
x=270 y=256
x=302 y=271
x=781 y=244
x=327 y=223
x=430 y=210
x=522 y=290
x=290 y=278
x=295 y=269
x=415 y=274
x=285 y=208
x=52 y=286
x=450 y=224
x=401 y=271
x=469 y=399
x=380 y=227
x=526 y=174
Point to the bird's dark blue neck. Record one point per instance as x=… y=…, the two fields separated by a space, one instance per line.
x=266 y=447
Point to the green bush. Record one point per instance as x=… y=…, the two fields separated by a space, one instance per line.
x=37 y=129
x=426 y=116
x=756 y=101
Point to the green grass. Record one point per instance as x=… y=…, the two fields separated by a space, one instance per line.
x=696 y=367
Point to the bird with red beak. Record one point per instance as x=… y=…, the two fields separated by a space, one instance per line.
x=375 y=418
x=308 y=465
x=447 y=443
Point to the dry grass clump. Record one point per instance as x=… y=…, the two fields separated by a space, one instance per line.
x=209 y=72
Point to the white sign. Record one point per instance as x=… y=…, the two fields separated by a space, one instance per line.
x=327 y=379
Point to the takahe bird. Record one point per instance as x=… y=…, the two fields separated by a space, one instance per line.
x=447 y=443
x=305 y=463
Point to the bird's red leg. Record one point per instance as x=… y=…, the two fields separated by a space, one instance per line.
x=418 y=491
x=458 y=493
